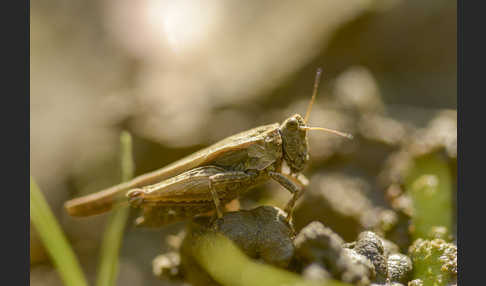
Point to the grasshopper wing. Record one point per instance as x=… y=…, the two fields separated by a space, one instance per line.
x=104 y=200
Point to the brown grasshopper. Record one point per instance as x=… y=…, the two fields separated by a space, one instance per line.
x=214 y=176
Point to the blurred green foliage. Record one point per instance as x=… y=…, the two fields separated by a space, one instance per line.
x=113 y=236
x=54 y=239
x=430 y=186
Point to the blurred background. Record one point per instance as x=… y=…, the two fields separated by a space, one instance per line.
x=181 y=75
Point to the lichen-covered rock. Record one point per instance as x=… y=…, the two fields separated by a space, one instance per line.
x=318 y=244
x=361 y=260
x=435 y=261
x=370 y=245
x=399 y=267
x=315 y=242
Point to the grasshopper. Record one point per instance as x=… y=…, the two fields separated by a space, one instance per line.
x=214 y=176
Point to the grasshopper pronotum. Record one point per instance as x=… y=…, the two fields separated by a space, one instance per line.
x=215 y=175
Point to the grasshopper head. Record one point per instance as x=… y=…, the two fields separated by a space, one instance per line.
x=294 y=134
x=294 y=140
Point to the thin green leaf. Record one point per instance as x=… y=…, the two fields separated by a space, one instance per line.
x=54 y=239
x=113 y=236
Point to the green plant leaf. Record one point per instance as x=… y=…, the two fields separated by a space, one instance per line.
x=54 y=239
x=113 y=236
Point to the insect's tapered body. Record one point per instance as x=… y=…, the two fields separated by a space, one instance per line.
x=238 y=168
x=245 y=158
x=238 y=152
x=213 y=176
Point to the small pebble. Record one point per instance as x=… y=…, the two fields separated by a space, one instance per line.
x=371 y=246
x=315 y=242
x=318 y=244
x=359 y=259
x=399 y=267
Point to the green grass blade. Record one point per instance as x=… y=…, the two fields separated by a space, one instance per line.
x=54 y=239
x=113 y=236
x=228 y=265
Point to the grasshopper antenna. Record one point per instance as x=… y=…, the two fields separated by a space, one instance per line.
x=314 y=93
x=347 y=135
x=309 y=108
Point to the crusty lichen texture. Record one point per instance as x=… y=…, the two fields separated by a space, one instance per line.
x=435 y=261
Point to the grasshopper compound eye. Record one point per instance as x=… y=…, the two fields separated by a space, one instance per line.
x=293 y=123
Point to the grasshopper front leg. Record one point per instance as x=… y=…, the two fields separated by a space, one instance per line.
x=291 y=187
x=303 y=182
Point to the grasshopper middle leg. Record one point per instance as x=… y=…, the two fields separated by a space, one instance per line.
x=291 y=187
x=230 y=177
